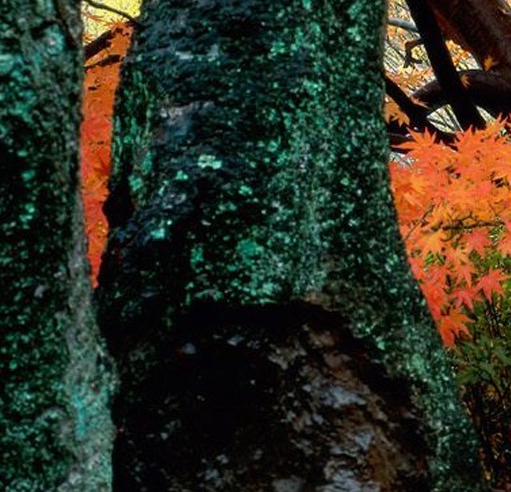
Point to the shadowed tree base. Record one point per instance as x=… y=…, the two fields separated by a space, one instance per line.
x=268 y=399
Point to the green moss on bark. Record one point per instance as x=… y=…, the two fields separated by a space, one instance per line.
x=55 y=431
x=250 y=168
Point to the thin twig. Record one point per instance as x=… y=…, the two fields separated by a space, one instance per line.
x=420 y=221
x=473 y=225
x=113 y=10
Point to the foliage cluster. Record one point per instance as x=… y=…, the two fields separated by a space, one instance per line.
x=453 y=201
x=102 y=72
x=454 y=208
x=455 y=216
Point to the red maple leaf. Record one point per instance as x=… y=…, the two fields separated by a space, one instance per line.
x=491 y=283
x=464 y=273
x=504 y=244
x=452 y=325
x=438 y=274
x=464 y=296
x=435 y=297
x=477 y=240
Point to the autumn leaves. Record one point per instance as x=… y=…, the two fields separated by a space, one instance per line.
x=101 y=80
x=454 y=208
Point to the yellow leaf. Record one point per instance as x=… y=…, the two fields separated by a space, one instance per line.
x=97 y=21
x=393 y=113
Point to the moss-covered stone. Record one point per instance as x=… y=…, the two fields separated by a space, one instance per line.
x=250 y=169
x=55 y=430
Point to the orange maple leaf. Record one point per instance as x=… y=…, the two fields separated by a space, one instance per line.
x=433 y=242
x=417 y=267
x=504 y=245
x=394 y=113
x=465 y=81
x=436 y=298
x=420 y=141
x=458 y=258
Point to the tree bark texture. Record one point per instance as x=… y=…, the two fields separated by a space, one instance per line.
x=55 y=430
x=252 y=230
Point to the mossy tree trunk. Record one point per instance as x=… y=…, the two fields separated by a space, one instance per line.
x=55 y=430
x=252 y=231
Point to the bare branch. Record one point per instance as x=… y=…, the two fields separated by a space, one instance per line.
x=415 y=112
x=488 y=90
x=113 y=10
x=441 y=62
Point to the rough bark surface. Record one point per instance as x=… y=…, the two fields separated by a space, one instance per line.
x=268 y=399
x=250 y=170
x=55 y=430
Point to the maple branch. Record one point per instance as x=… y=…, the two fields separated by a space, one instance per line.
x=481 y=27
x=409 y=46
x=420 y=221
x=113 y=10
x=99 y=44
x=398 y=139
x=489 y=90
x=443 y=67
x=415 y=112
x=458 y=227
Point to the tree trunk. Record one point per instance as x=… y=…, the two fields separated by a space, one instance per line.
x=252 y=231
x=55 y=430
